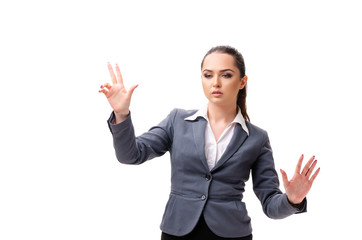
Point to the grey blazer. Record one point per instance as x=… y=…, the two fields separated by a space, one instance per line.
x=195 y=189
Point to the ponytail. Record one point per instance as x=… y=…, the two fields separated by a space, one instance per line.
x=241 y=102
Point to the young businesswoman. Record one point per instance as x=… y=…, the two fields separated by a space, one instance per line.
x=213 y=151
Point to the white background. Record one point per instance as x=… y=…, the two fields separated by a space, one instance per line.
x=59 y=178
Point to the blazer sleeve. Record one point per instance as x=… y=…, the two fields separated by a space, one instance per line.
x=266 y=186
x=130 y=149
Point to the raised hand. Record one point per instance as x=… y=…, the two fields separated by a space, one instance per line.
x=298 y=187
x=117 y=95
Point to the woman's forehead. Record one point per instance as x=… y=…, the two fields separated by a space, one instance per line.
x=219 y=61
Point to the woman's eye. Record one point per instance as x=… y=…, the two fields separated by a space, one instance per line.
x=207 y=75
x=227 y=75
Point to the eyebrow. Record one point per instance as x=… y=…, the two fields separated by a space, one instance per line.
x=224 y=70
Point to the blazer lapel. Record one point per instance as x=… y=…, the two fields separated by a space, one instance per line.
x=236 y=141
x=199 y=126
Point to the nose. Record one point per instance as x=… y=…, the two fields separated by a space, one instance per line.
x=216 y=81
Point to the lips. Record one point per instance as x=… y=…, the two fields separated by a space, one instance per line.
x=216 y=93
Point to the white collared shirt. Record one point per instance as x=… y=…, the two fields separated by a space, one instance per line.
x=215 y=149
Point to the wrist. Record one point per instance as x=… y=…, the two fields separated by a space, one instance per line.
x=120 y=116
x=295 y=204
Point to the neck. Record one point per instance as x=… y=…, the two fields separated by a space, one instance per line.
x=221 y=113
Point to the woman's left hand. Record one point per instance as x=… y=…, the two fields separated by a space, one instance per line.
x=298 y=187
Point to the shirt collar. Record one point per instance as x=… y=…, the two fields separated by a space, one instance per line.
x=202 y=112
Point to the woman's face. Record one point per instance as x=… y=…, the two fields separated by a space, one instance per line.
x=221 y=79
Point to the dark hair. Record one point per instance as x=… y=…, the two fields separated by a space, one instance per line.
x=239 y=63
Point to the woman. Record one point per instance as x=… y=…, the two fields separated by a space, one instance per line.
x=213 y=150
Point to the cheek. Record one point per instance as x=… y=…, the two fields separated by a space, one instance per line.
x=233 y=86
x=233 y=90
x=205 y=84
x=206 y=88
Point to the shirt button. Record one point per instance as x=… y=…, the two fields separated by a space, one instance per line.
x=203 y=197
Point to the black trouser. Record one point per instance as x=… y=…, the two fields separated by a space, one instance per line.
x=201 y=232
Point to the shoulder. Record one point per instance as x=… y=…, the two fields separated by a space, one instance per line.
x=256 y=131
x=259 y=137
x=179 y=113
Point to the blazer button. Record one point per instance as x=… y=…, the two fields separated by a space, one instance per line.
x=207 y=177
x=203 y=197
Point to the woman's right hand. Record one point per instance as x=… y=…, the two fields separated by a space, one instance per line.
x=118 y=97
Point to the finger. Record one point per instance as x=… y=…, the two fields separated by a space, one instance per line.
x=103 y=90
x=284 y=177
x=314 y=175
x=119 y=75
x=307 y=166
x=131 y=89
x=310 y=170
x=299 y=164
x=113 y=77
x=107 y=85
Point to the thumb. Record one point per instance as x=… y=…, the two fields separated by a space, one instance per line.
x=285 y=177
x=131 y=89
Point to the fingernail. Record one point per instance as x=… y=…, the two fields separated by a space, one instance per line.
x=101 y=86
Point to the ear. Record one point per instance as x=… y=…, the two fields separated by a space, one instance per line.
x=243 y=82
